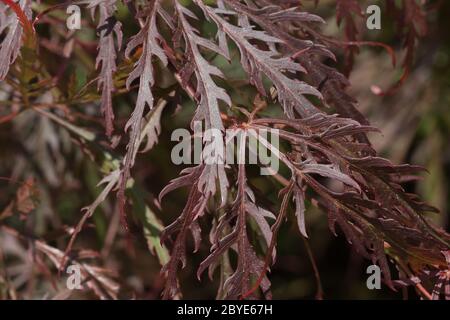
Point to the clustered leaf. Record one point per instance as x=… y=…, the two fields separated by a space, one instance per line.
x=12 y=29
x=143 y=72
x=336 y=148
x=107 y=27
x=328 y=158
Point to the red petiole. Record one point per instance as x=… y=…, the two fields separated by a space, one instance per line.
x=23 y=19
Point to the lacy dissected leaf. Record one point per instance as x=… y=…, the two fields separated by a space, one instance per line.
x=327 y=80
x=152 y=127
x=199 y=194
x=371 y=207
x=249 y=265
x=147 y=38
x=326 y=159
x=329 y=171
x=12 y=29
x=186 y=222
x=260 y=215
x=107 y=27
x=144 y=72
x=209 y=92
x=256 y=62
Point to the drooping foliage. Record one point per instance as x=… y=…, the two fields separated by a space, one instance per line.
x=327 y=158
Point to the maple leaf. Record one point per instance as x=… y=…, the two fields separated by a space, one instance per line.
x=107 y=27
x=147 y=38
